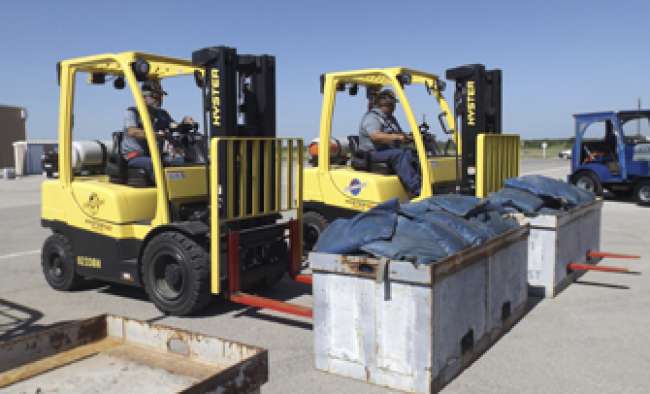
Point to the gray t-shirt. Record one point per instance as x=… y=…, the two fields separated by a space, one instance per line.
x=375 y=120
x=131 y=144
x=160 y=119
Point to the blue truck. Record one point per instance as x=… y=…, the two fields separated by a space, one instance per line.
x=615 y=155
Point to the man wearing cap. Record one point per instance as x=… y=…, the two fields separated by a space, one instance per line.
x=134 y=144
x=381 y=137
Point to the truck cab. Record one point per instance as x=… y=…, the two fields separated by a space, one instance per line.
x=612 y=151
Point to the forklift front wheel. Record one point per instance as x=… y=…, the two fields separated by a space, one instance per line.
x=57 y=261
x=313 y=224
x=176 y=275
x=588 y=181
x=642 y=192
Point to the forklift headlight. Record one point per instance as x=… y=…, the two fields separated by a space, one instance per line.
x=141 y=69
x=404 y=79
x=118 y=83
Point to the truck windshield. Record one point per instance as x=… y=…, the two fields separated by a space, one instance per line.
x=637 y=129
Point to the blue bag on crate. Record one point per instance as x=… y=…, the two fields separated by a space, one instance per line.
x=494 y=223
x=458 y=204
x=564 y=194
x=471 y=233
x=346 y=236
x=412 y=241
x=521 y=200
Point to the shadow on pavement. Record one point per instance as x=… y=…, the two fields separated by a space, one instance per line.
x=285 y=290
x=17 y=319
x=600 y=284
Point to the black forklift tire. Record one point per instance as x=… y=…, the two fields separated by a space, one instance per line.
x=642 y=192
x=57 y=261
x=313 y=225
x=587 y=180
x=176 y=274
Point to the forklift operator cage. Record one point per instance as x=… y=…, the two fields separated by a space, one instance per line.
x=266 y=170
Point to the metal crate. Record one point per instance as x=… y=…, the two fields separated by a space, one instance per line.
x=556 y=241
x=410 y=327
x=114 y=354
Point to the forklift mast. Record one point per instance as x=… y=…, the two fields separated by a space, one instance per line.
x=239 y=101
x=477 y=110
x=239 y=92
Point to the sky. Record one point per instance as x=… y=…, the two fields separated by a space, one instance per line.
x=558 y=57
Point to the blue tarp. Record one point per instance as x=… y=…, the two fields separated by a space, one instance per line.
x=563 y=194
x=346 y=236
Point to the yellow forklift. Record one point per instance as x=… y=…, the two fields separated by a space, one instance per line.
x=476 y=159
x=226 y=220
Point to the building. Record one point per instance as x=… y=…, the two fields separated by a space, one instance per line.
x=12 y=129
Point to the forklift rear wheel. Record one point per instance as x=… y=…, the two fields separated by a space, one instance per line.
x=589 y=182
x=313 y=225
x=176 y=274
x=642 y=192
x=57 y=261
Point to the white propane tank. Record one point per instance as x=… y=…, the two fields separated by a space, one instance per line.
x=339 y=151
x=90 y=153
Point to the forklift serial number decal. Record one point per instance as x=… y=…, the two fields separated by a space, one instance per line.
x=97 y=225
x=89 y=262
x=360 y=205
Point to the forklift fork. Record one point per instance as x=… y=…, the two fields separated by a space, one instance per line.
x=234 y=293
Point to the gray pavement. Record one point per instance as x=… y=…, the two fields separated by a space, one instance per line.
x=595 y=336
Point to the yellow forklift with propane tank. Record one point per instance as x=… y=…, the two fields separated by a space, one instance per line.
x=225 y=219
x=475 y=160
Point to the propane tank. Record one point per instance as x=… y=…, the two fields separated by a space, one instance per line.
x=338 y=151
x=87 y=154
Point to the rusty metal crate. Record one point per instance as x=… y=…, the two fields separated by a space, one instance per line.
x=115 y=354
x=414 y=327
x=556 y=241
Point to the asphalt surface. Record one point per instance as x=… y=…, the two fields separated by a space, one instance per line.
x=593 y=337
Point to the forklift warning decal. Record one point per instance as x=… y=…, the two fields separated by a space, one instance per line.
x=215 y=94
x=355 y=187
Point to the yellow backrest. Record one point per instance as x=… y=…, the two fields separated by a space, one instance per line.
x=497 y=159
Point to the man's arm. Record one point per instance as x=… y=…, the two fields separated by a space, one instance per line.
x=380 y=137
x=372 y=127
x=131 y=125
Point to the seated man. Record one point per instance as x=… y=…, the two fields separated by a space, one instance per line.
x=380 y=136
x=134 y=144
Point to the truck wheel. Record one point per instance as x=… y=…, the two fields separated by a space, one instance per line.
x=642 y=192
x=589 y=182
x=176 y=274
x=57 y=261
x=313 y=225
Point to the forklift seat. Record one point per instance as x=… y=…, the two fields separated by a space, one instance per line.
x=360 y=160
x=118 y=170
